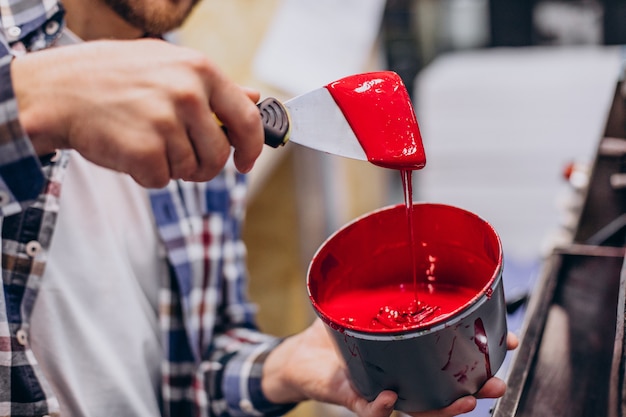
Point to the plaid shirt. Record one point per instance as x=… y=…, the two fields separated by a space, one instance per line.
x=213 y=351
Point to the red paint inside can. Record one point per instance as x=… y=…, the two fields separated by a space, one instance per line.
x=362 y=277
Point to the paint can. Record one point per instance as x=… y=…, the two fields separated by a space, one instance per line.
x=432 y=361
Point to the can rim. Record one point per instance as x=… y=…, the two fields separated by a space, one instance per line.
x=488 y=289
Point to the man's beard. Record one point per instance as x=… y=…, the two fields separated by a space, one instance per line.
x=152 y=20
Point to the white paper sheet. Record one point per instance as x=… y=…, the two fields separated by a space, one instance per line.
x=312 y=43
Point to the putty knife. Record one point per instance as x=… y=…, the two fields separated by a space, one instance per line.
x=313 y=120
x=363 y=116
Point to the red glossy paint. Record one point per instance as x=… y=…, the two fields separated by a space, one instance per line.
x=379 y=110
x=448 y=280
x=392 y=308
x=407 y=185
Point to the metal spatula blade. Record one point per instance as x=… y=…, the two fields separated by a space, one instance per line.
x=313 y=120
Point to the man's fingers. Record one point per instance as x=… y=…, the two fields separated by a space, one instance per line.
x=461 y=406
x=253 y=94
x=493 y=388
x=210 y=144
x=241 y=117
x=247 y=138
x=382 y=406
x=511 y=341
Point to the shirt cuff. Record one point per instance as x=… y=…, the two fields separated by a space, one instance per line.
x=242 y=383
x=20 y=169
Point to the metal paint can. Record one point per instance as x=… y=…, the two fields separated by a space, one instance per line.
x=432 y=362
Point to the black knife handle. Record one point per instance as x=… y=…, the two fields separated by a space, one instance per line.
x=275 y=122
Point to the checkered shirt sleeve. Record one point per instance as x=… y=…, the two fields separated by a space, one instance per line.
x=215 y=351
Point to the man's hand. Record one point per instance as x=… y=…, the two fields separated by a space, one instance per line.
x=143 y=107
x=306 y=366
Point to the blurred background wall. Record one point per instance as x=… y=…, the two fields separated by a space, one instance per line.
x=508 y=94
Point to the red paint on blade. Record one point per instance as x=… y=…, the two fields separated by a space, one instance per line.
x=378 y=108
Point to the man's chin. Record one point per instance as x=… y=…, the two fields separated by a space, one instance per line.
x=154 y=17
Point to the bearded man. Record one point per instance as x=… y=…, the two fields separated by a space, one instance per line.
x=121 y=203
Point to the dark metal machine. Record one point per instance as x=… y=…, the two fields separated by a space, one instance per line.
x=572 y=355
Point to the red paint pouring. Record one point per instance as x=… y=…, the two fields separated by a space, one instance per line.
x=378 y=108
